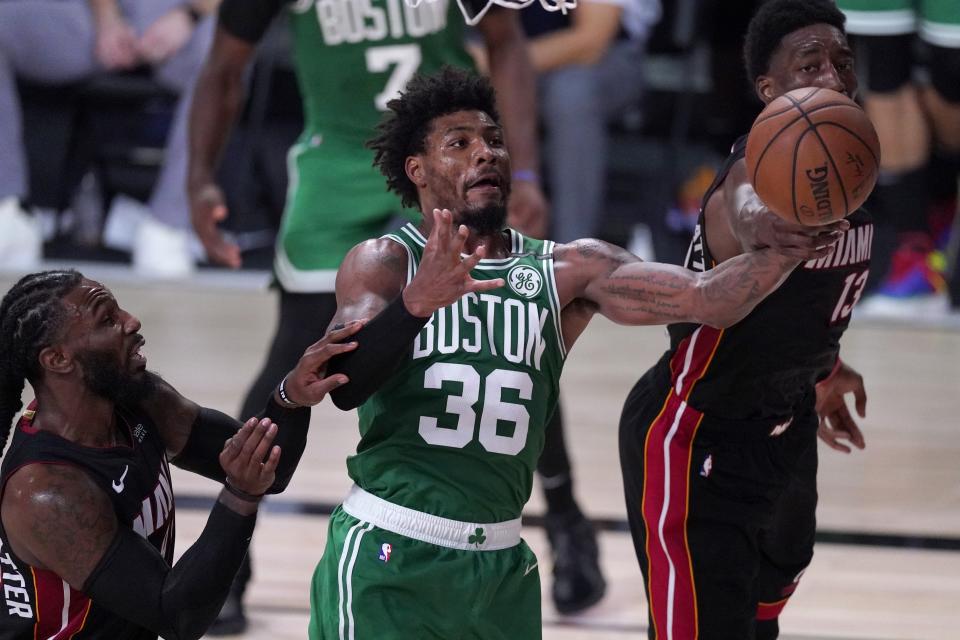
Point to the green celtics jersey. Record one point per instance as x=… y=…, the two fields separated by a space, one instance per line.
x=351 y=57
x=458 y=429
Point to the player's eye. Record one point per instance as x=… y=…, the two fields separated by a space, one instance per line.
x=809 y=68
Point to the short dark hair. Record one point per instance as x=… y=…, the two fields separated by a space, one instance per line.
x=403 y=130
x=777 y=18
x=32 y=317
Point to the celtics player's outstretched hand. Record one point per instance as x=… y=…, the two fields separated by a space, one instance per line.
x=836 y=423
x=248 y=458
x=443 y=276
x=308 y=383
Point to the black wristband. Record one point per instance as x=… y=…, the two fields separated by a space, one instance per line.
x=243 y=495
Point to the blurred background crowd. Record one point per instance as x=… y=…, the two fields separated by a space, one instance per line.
x=639 y=102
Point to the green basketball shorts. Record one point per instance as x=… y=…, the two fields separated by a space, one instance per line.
x=336 y=200
x=389 y=572
x=937 y=21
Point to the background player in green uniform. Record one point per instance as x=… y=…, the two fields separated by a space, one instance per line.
x=457 y=373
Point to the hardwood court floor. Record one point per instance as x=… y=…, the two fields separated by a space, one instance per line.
x=209 y=335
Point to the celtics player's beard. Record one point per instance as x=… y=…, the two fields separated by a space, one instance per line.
x=485 y=220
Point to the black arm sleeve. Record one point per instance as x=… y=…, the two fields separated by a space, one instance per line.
x=180 y=602
x=212 y=428
x=248 y=19
x=291 y=437
x=382 y=343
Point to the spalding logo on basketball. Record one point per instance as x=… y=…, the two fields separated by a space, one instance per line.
x=813 y=156
x=525 y=281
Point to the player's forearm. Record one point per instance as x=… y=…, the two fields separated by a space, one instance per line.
x=217 y=100
x=513 y=77
x=738 y=193
x=729 y=292
x=133 y=580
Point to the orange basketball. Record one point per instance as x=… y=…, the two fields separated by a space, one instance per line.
x=813 y=156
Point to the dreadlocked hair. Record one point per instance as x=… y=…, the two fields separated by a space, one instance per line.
x=403 y=130
x=31 y=318
x=775 y=19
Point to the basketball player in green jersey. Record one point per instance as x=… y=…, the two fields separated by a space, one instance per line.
x=347 y=70
x=457 y=371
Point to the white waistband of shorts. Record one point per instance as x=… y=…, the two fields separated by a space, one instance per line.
x=468 y=536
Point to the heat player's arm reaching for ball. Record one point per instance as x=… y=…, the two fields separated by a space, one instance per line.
x=597 y=277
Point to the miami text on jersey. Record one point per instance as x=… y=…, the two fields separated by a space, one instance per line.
x=853 y=248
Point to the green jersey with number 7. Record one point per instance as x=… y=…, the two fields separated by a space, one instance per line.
x=458 y=428
x=352 y=57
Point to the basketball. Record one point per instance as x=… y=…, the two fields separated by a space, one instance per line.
x=813 y=156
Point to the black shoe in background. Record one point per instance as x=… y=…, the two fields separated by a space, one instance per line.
x=577 y=581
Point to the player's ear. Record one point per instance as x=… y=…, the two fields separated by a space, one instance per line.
x=764 y=88
x=414 y=170
x=54 y=360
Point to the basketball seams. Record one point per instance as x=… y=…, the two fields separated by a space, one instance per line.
x=803 y=113
x=826 y=150
x=815 y=91
x=856 y=136
x=793 y=174
x=840 y=137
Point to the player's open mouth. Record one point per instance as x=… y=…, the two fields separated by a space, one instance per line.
x=137 y=358
x=489 y=182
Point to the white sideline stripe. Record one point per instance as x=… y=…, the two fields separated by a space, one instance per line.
x=65 y=612
x=340 y=581
x=353 y=561
x=672 y=581
x=688 y=358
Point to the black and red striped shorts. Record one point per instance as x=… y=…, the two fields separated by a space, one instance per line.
x=722 y=512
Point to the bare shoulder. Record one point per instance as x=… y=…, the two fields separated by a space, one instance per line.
x=378 y=263
x=58 y=519
x=378 y=255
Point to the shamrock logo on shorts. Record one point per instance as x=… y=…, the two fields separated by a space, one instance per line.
x=477 y=538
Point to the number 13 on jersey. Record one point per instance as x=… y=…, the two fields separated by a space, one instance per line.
x=494 y=408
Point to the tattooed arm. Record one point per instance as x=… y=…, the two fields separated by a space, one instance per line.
x=629 y=291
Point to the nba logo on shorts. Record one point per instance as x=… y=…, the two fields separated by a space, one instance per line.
x=385 y=550
x=707 y=466
x=525 y=281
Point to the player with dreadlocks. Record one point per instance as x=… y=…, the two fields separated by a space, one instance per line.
x=86 y=505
